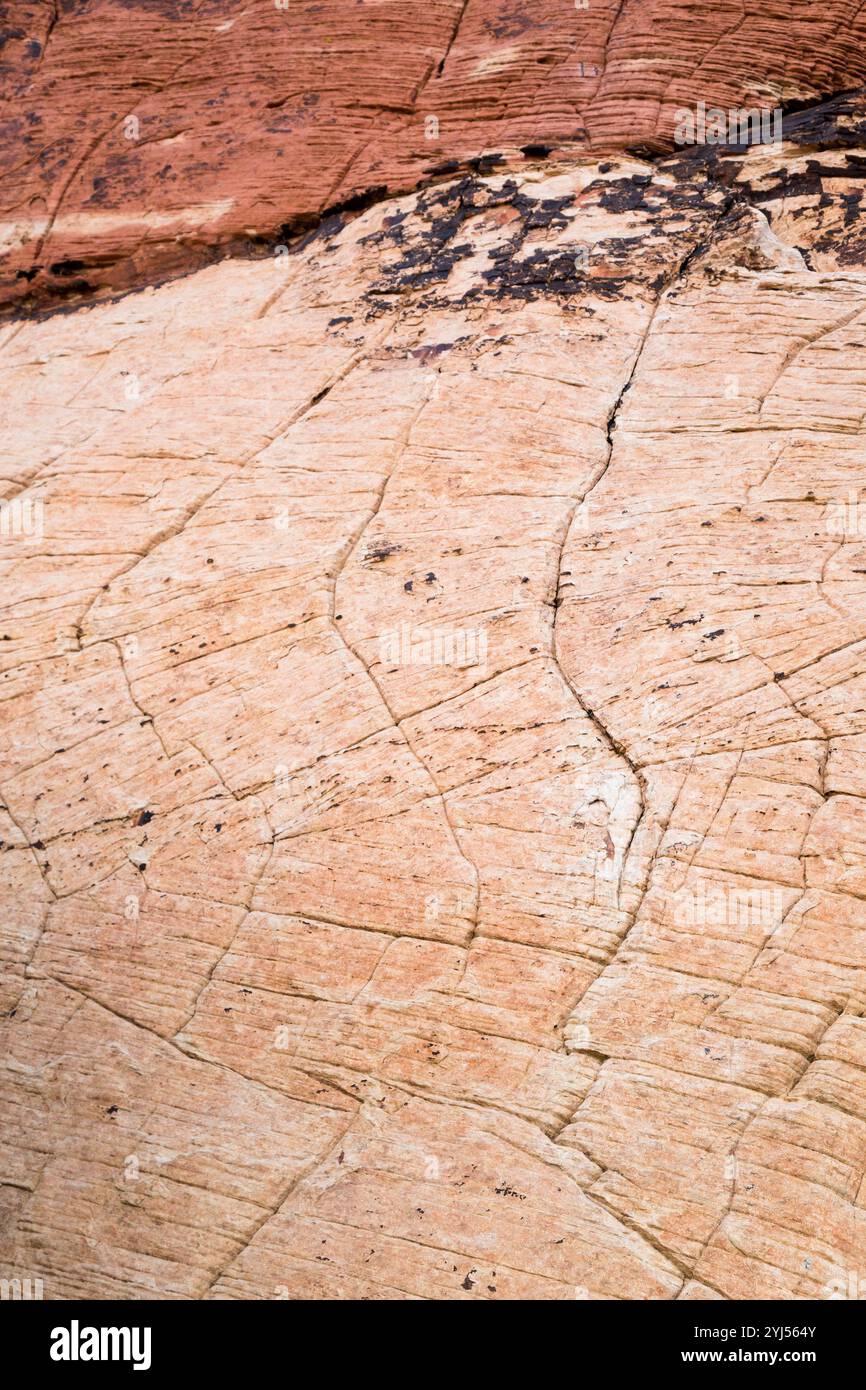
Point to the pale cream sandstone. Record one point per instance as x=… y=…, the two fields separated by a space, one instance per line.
x=432 y=680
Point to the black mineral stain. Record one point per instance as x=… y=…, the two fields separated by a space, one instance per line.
x=380 y=552
x=686 y=622
x=431 y=239
x=427 y=260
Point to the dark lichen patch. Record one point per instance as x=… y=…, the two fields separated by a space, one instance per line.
x=447 y=167
x=545 y=272
x=529 y=258
x=428 y=255
x=685 y=622
x=833 y=122
x=427 y=352
x=830 y=211
x=639 y=193
x=810 y=180
x=486 y=163
x=819 y=189
x=432 y=244
x=377 y=553
x=547 y=213
x=851 y=252
x=851 y=202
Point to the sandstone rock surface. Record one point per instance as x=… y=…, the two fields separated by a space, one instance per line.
x=137 y=141
x=433 y=722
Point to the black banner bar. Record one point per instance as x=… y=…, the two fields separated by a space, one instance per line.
x=228 y=1338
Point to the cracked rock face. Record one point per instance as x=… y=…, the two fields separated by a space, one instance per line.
x=139 y=140
x=433 y=747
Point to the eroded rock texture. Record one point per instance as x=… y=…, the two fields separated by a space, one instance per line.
x=138 y=140
x=433 y=717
